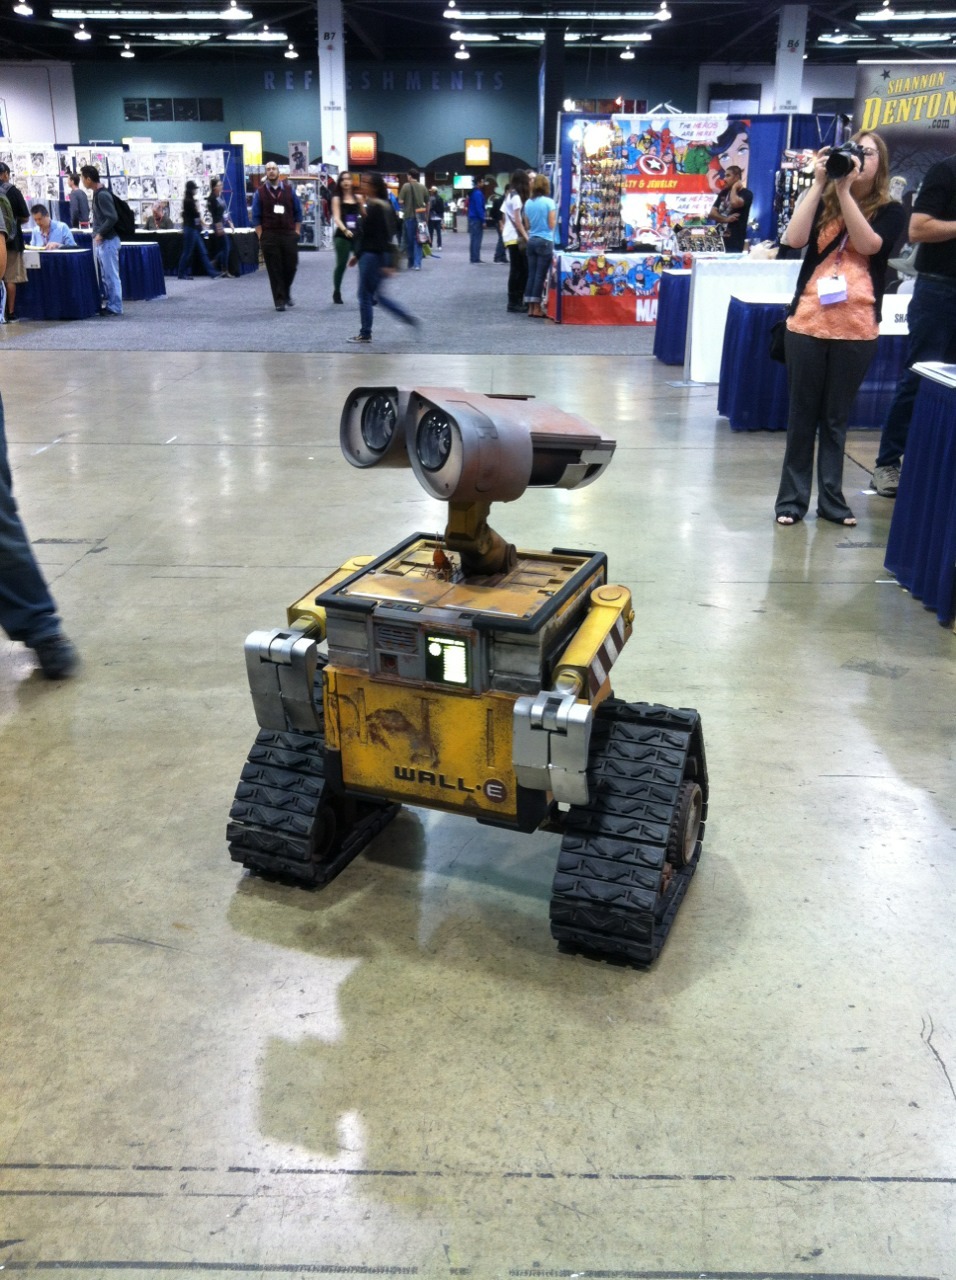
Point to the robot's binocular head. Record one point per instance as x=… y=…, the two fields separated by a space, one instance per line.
x=468 y=447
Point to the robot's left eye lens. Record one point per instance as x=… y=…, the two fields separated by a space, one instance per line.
x=379 y=419
x=433 y=441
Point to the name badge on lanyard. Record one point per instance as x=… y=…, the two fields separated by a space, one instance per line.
x=831 y=289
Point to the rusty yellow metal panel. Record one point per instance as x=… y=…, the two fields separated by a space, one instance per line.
x=448 y=751
x=307 y=609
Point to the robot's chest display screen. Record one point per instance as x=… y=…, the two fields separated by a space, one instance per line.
x=446 y=660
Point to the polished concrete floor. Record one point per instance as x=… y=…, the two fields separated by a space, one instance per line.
x=205 y=1073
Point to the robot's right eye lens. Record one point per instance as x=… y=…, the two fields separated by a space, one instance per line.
x=379 y=420
x=434 y=440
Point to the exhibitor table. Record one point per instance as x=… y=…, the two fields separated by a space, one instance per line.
x=243 y=258
x=714 y=278
x=141 y=272
x=673 y=301
x=921 y=549
x=61 y=285
x=753 y=388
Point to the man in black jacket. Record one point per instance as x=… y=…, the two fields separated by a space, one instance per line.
x=16 y=272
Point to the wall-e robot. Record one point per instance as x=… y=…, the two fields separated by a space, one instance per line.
x=460 y=674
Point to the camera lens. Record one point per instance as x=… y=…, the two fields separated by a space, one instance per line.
x=433 y=441
x=379 y=418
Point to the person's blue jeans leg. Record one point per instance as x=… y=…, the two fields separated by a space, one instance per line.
x=412 y=248
x=369 y=269
x=540 y=252
x=500 y=255
x=27 y=611
x=107 y=260
x=185 y=268
x=932 y=332
x=475 y=231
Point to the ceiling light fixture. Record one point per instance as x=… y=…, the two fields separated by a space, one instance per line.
x=628 y=37
x=126 y=51
x=562 y=15
x=921 y=37
x=290 y=52
x=476 y=37
x=234 y=13
x=177 y=37
x=150 y=15
x=461 y=53
x=23 y=9
x=259 y=37
x=911 y=15
x=82 y=34
x=627 y=55
x=663 y=13
x=537 y=37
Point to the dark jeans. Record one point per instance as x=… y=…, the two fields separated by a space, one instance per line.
x=221 y=246
x=343 y=251
x=932 y=326
x=518 y=275
x=823 y=376
x=372 y=286
x=476 y=229
x=412 y=247
x=540 y=252
x=280 y=249
x=500 y=255
x=434 y=229
x=193 y=243
x=27 y=611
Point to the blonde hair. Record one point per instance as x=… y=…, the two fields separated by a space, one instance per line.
x=540 y=186
x=878 y=194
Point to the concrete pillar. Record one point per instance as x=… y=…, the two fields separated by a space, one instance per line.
x=550 y=89
x=791 y=46
x=332 y=83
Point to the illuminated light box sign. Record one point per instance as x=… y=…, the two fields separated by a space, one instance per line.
x=478 y=151
x=251 y=143
x=363 y=148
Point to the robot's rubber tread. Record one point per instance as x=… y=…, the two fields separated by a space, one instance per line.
x=614 y=894
x=284 y=824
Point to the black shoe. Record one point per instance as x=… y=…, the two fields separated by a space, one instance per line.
x=13 y=319
x=280 y=306
x=57 y=657
x=289 y=302
x=359 y=337
x=336 y=296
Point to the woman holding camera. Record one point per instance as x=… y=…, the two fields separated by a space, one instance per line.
x=849 y=223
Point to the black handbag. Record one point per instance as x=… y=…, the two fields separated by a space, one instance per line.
x=778 y=350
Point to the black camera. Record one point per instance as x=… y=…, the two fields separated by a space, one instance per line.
x=839 y=161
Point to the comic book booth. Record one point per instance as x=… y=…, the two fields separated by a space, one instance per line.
x=625 y=183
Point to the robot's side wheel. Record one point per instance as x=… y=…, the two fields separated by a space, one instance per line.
x=627 y=856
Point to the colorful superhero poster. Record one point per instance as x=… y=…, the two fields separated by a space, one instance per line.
x=609 y=288
x=673 y=169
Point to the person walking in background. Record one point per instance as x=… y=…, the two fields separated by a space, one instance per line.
x=476 y=221
x=219 y=216
x=106 y=242
x=27 y=610
x=15 y=272
x=850 y=225
x=47 y=232
x=413 y=197
x=540 y=217
x=346 y=219
x=79 y=201
x=376 y=253
x=515 y=237
x=932 y=311
x=277 y=218
x=193 y=242
x=436 y=217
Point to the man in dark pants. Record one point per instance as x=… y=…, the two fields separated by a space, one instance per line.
x=27 y=610
x=476 y=221
x=277 y=218
x=932 y=312
x=15 y=272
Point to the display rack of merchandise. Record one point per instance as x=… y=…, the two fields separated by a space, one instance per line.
x=36 y=172
x=793 y=177
x=307 y=189
x=596 y=195
x=700 y=239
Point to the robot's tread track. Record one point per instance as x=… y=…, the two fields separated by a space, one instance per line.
x=285 y=824
x=615 y=893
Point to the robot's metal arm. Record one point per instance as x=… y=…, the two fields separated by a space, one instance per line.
x=552 y=731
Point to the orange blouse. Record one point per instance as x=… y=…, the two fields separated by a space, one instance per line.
x=854 y=319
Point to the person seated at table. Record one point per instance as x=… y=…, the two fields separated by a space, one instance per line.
x=158 y=218
x=48 y=233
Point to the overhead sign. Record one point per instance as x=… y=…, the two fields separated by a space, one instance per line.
x=363 y=148
x=478 y=152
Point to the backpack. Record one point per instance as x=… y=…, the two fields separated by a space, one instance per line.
x=9 y=222
x=125 y=222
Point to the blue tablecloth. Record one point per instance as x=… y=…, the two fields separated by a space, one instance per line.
x=141 y=272
x=62 y=287
x=921 y=549
x=753 y=388
x=673 y=302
